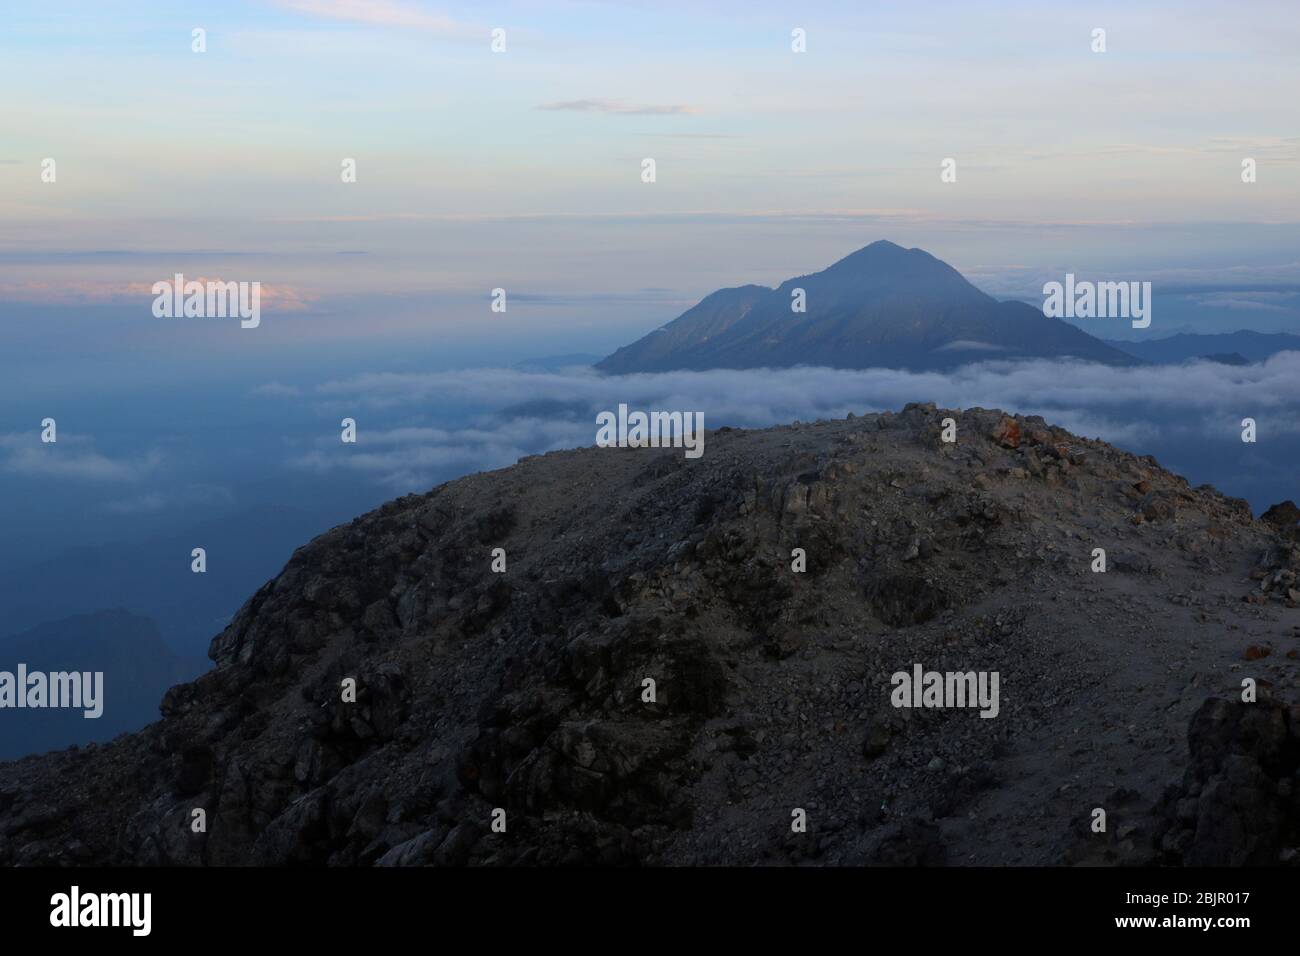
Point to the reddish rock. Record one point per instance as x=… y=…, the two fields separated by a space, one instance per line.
x=1007 y=433
x=1256 y=651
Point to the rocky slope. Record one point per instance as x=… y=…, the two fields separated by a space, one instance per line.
x=523 y=690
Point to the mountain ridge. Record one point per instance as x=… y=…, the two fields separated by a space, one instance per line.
x=525 y=691
x=880 y=306
x=1191 y=346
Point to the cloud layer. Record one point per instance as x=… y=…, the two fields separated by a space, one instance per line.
x=71 y=457
x=618 y=107
x=416 y=429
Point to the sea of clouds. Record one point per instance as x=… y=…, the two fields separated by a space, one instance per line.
x=415 y=429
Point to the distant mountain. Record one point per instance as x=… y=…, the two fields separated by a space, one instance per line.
x=553 y=363
x=1186 y=347
x=138 y=668
x=153 y=577
x=1229 y=358
x=882 y=306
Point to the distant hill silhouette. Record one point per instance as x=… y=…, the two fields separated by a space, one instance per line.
x=138 y=669
x=1184 y=347
x=553 y=363
x=882 y=306
x=153 y=578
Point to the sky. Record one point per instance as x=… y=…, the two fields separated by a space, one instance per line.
x=521 y=170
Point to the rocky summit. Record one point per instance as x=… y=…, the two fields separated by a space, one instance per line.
x=692 y=662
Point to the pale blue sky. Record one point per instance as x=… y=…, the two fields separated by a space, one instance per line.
x=477 y=169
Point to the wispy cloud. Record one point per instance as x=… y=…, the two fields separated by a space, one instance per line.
x=618 y=107
x=1268 y=147
x=275 y=390
x=1250 y=301
x=1273 y=147
x=72 y=457
x=403 y=459
x=74 y=291
x=379 y=13
x=512 y=413
x=970 y=345
x=152 y=502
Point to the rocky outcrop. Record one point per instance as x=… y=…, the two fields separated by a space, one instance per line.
x=1239 y=803
x=680 y=654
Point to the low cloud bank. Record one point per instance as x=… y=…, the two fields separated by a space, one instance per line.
x=71 y=457
x=419 y=428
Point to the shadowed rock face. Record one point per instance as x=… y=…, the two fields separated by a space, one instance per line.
x=1238 y=804
x=881 y=307
x=526 y=690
